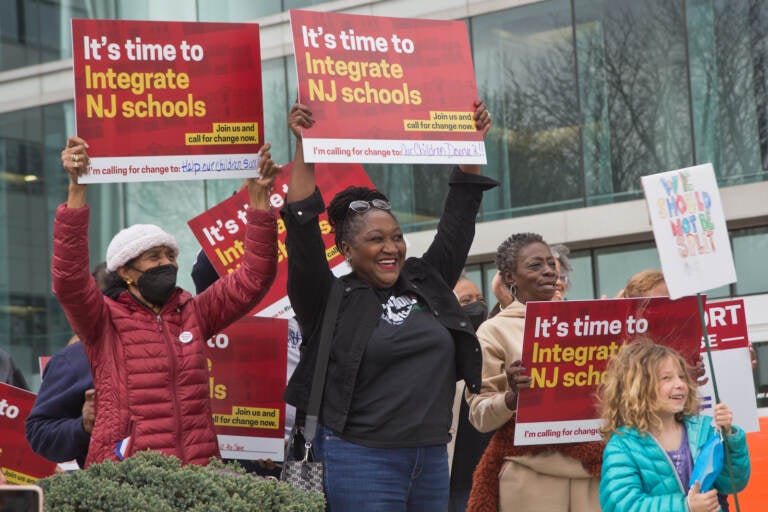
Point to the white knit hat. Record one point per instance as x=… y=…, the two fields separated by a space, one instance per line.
x=130 y=242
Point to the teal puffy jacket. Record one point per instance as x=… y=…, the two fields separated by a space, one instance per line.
x=638 y=476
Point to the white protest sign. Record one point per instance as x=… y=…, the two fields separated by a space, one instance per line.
x=689 y=228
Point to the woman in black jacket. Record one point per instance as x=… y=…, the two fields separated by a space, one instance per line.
x=400 y=342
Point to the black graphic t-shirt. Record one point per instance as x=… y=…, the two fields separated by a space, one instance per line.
x=405 y=385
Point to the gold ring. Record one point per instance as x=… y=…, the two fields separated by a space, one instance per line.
x=75 y=157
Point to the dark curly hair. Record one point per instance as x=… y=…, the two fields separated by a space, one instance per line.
x=343 y=220
x=509 y=249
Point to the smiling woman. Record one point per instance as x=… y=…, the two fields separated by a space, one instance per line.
x=521 y=478
x=401 y=339
x=368 y=235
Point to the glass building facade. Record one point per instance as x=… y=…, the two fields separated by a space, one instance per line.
x=587 y=96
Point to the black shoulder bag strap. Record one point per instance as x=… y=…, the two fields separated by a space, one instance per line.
x=321 y=364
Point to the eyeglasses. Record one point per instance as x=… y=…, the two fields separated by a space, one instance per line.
x=361 y=206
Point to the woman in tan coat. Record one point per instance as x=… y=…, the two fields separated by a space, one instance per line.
x=541 y=478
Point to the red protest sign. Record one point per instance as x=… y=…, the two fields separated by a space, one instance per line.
x=566 y=347
x=731 y=363
x=726 y=325
x=247 y=363
x=387 y=90
x=220 y=230
x=17 y=460
x=160 y=101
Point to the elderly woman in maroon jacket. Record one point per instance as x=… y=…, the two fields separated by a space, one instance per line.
x=145 y=343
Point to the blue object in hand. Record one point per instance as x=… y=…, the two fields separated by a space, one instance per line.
x=709 y=463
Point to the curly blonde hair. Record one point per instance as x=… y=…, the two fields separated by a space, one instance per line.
x=628 y=395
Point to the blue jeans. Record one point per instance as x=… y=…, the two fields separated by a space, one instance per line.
x=358 y=478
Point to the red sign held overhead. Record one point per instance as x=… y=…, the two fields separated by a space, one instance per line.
x=386 y=90
x=161 y=101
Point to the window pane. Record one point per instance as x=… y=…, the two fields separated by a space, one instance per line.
x=615 y=265
x=235 y=10
x=277 y=101
x=14 y=50
x=582 y=284
x=32 y=185
x=750 y=247
x=728 y=51
x=718 y=293
x=33 y=32
x=176 y=10
x=299 y=4
x=634 y=95
x=524 y=62
x=489 y=271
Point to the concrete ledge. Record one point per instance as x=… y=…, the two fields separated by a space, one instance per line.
x=598 y=226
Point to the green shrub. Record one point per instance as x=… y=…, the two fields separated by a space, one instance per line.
x=153 y=481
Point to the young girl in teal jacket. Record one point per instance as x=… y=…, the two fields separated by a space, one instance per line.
x=649 y=405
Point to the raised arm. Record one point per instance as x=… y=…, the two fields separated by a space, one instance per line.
x=483 y=123
x=302 y=182
x=74 y=158
x=309 y=277
x=73 y=284
x=260 y=188
x=456 y=229
x=232 y=296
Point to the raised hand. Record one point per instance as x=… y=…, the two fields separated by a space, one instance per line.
x=74 y=158
x=299 y=117
x=260 y=188
x=482 y=117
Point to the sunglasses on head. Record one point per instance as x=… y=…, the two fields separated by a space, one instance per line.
x=361 y=206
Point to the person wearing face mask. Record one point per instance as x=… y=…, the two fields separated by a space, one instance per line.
x=539 y=478
x=471 y=301
x=145 y=338
x=467 y=444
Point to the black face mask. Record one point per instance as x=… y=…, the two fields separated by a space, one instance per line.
x=157 y=284
x=477 y=313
